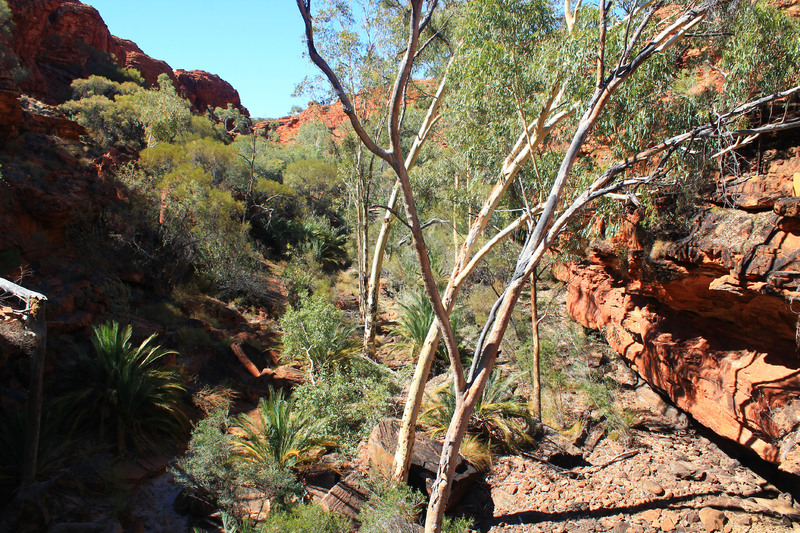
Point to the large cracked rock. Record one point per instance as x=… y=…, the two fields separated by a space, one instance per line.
x=710 y=321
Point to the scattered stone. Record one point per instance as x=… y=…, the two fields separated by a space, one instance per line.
x=653 y=487
x=651 y=515
x=621 y=527
x=669 y=520
x=712 y=519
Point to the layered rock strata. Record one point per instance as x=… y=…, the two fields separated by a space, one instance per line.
x=712 y=320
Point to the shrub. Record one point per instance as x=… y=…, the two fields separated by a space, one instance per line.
x=501 y=417
x=600 y=391
x=391 y=510
x=299 y=278
x=123 y=391
x=211 y=471
x=351 y=404
x=317 y=332
x=305 y=519
x=109 y=122
x=397 y=509
x=279 y=433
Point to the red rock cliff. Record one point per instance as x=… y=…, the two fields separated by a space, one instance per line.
x=711 y=320
x=206 y=90
x=58 y=41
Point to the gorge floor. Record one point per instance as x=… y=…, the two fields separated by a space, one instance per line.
x=670 y=479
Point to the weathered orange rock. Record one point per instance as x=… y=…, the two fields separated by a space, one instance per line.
x=710 y=320
x=10 y=111
x=332 y=116
x=58 y=41
x=206 y=90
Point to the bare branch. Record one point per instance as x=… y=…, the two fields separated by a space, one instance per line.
x=304 y=6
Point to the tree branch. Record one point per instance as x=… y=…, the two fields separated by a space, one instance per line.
x=305 y=6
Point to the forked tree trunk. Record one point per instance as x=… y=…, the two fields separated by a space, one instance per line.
x=393 y=155
x=537 y=242
x=532 y=135
x=373 y=290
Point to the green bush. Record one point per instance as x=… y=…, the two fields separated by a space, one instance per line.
x=391 y=510
x=109 y=122
x=123 y=391
x=350 y=403
x=212 y=471
x=397 y=509
x=305 y=519
x=317 y=333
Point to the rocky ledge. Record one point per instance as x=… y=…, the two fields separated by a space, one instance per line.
x=711 y=320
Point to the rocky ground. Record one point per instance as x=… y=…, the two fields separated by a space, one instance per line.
x=664 y=479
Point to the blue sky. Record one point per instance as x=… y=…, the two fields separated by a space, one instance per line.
x=255 y=45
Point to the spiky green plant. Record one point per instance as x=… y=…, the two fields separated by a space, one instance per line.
x=124 y=391
x=501 y=418
x=415 y=316
x=279 y=433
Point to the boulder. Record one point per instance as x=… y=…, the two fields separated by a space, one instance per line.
x=58 y=41
x=206 y=90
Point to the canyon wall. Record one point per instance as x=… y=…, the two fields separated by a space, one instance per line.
x=58 y=41
x=711 y=320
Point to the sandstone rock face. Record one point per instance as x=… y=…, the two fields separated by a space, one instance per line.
x=58 y=41
x=206 y=90
x=333 y=117
x=285 y=129
x=711 y=320
x=10 y=111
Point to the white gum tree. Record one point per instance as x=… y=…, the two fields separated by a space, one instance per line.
x=623 y=42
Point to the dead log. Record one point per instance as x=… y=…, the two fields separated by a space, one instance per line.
x=283 y=373
x=246 y=362
x=286 y=374
x=346 y=497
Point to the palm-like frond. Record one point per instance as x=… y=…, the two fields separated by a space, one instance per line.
x=124 y=390
x=415 y=316
x=501 y=418
x=278 y=433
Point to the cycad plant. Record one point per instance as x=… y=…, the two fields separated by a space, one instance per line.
x=123 y=390
x=279 y=434
x=501 y=418
x=415 y=317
